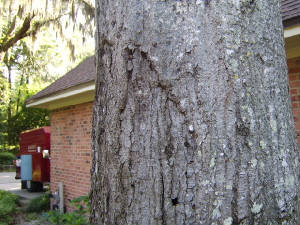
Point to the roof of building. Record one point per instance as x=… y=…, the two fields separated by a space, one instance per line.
x=83 y=73
x=86 y=71
x=290 y=10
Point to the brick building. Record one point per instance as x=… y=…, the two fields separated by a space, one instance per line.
x=294 y=75
x=291 y=21
x=70 y=100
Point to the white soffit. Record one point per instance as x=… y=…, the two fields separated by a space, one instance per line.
x=74 y=91
x=291 y=31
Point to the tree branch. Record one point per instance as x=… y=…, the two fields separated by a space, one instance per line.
x=20 y=34
x=26 y=30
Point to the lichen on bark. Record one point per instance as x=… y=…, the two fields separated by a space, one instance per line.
x=192 y=117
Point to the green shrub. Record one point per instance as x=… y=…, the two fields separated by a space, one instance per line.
x=10 y=148
x=78 y=217
x=31 y=216
x=8 y=207
x=39 y=204
x=7 y=158
x=71 y=218
x=82 y=205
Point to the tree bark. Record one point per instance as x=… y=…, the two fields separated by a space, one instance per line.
x=192 y=117
x=9 y=106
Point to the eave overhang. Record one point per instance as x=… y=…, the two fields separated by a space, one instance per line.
x=72 y=96
x=292 y=41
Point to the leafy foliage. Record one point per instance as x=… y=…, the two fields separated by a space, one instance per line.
x=82 y=204
x=8 y=207
x=6 y=158
x=26 y=18
x=70 y=218
x=26 y=74
x=24 y=119
x=27 y=67
x=39 y=204
x=32 y=216
x=77 y=217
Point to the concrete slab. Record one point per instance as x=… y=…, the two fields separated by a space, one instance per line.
x=9 y=183
x=26 y=194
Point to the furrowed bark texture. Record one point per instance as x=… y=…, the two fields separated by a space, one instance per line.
x=192 y=119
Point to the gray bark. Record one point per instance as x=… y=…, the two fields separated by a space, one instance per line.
x=192 y=120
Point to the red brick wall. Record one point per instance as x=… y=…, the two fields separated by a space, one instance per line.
x=294 y=75
x=71 y=150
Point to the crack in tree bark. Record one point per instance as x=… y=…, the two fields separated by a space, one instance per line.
x=195 y=131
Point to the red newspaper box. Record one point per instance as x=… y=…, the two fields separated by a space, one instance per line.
x=35 y=144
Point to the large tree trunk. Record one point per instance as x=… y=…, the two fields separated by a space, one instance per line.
x=192 y=120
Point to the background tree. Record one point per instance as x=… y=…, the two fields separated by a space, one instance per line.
x=192 y=119
x=32 y=37
x=25 y=76
x=25 y=19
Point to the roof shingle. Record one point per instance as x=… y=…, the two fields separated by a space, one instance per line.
x=83 y=73
x=290 y=10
